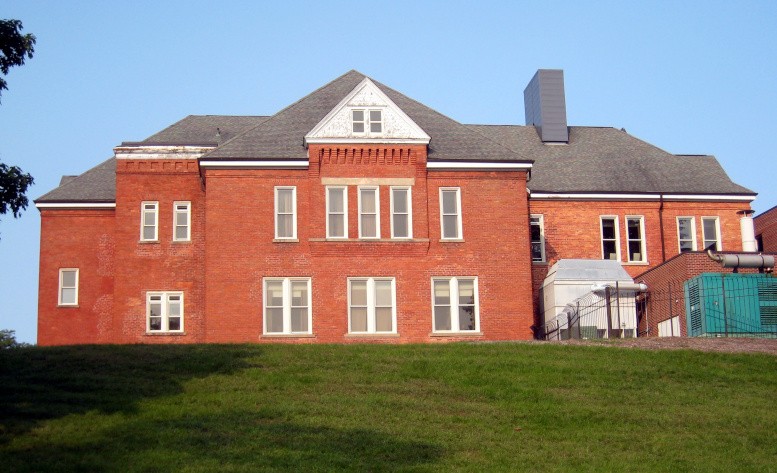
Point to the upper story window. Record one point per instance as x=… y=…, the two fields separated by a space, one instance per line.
x=537 y=238
x=366 y=121
x=182 y=221
x=164 y=311
x=635 y=239
x=149 y=220
x=371 y=305
x=369 y=212
x=610 y=238
x=401 y=213
x=710 y=227
x=450 y=213
x=686 y=233
x=337 y=212
x=68 y=286
x=286 y=213
x=287 y=304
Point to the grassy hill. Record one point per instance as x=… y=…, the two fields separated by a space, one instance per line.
x=468 y=407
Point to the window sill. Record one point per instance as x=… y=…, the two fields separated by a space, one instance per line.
x=165 y=334
x=539 y=263
x=287 y=335
x=285 y=240
x=68 y=306
x=371 y=240
x=451 y=240
x=456 y=334
x=147 y=242
x=371 y=335
x=179 y=242
x=636 y=263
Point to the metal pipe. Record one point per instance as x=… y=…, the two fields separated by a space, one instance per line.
x=743 y=260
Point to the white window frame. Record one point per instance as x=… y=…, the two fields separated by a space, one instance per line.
x=376 y=190
x=345 y=212
x=277 y=213
x=459 y=226
x=669 y=327
x=409 y=196
x=187 y=209
x=371 y=320
x=642 y=240
x=367 y=121
x=718 y=237
x=693 y=233
x=540 y=222
x=165 y=305
x=616 y=223
x=453 y=287
x=143 y=225
x=287 y=298
x=62 y=286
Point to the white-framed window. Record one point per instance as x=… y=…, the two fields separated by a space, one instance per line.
x=68 y=286
x=537 y=234
x=149 y=221
x=287 y=306
x=710 y=229
x=372 y=305
x=610 y=238
x=369 y=212
x=635 y=239
x=455 y=304
x=182 y=221
x=450 y=213
x=367 y=121
x=286 y=213
x=401 y=212
x=686 y=233
x=337 y=212
x=164 y=311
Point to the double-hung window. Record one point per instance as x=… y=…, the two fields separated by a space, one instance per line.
x=286 y=213
x=164 y=312
x=369 y=212
x=371 y=305
x=182 y=228
x=455 y=304
x=537 y=238
x=149 y=221
x=367 y=121
x=635 y=239
x=401 y=213
x=336 y=212
x=287 y=306
x=686 y=233
x=710 y=228
x=68 y=287
x=610 y=238
x=450 y=213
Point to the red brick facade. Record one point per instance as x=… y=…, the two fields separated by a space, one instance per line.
x=766 y=230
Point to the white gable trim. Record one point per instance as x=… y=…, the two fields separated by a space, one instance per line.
x=336 y=126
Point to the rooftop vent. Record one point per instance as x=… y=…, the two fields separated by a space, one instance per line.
x=545 y=105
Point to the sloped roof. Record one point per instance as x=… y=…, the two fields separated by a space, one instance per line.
x=588 y=270
x=599 y=159
x=95 y=185
x=203 y=130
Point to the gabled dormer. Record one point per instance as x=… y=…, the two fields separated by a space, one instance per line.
x=367 y=115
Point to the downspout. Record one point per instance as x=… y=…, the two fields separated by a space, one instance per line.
x=661 y=226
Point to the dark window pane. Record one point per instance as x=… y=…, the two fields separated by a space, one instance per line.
x=442 y=318
x=466 y=318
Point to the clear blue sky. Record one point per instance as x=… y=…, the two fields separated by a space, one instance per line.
x=689 y=77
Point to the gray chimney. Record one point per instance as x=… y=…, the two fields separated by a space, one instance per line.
x=545 y=106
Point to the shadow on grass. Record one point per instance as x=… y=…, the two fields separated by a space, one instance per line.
x=38 y=384
x=230 y=441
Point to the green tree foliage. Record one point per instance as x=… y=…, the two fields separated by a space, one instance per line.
x=8 y=340
x=14 y=48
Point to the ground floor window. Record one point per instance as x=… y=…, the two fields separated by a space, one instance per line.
x=455 y=304
x=371 y=305
x=164 y=311
x=287 y=306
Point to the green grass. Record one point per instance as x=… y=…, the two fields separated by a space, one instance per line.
x=466 y=407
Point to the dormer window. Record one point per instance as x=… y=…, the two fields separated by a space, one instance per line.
x=364 y=120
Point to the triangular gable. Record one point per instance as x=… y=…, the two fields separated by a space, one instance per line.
x=396 y=126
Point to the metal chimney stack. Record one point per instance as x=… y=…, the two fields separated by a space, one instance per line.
x=545 y=105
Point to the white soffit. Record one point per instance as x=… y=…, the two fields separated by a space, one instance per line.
x=337 y=126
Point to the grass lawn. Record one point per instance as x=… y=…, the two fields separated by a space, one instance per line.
x=467 y=407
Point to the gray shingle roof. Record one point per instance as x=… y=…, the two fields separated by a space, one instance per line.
x=610 y=160
x=599 y=160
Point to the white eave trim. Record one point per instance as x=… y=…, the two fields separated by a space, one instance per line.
x=76 y=205
x=256 y=164
x=616 y=196
x=368 y=141
x=477 y=166
x=160 y=152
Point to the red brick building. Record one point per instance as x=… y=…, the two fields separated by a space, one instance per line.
x=766 y=230
x=359 y=214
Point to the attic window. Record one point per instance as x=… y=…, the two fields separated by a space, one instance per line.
x=364 y=120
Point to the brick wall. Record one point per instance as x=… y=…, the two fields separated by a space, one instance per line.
x=766 y=230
